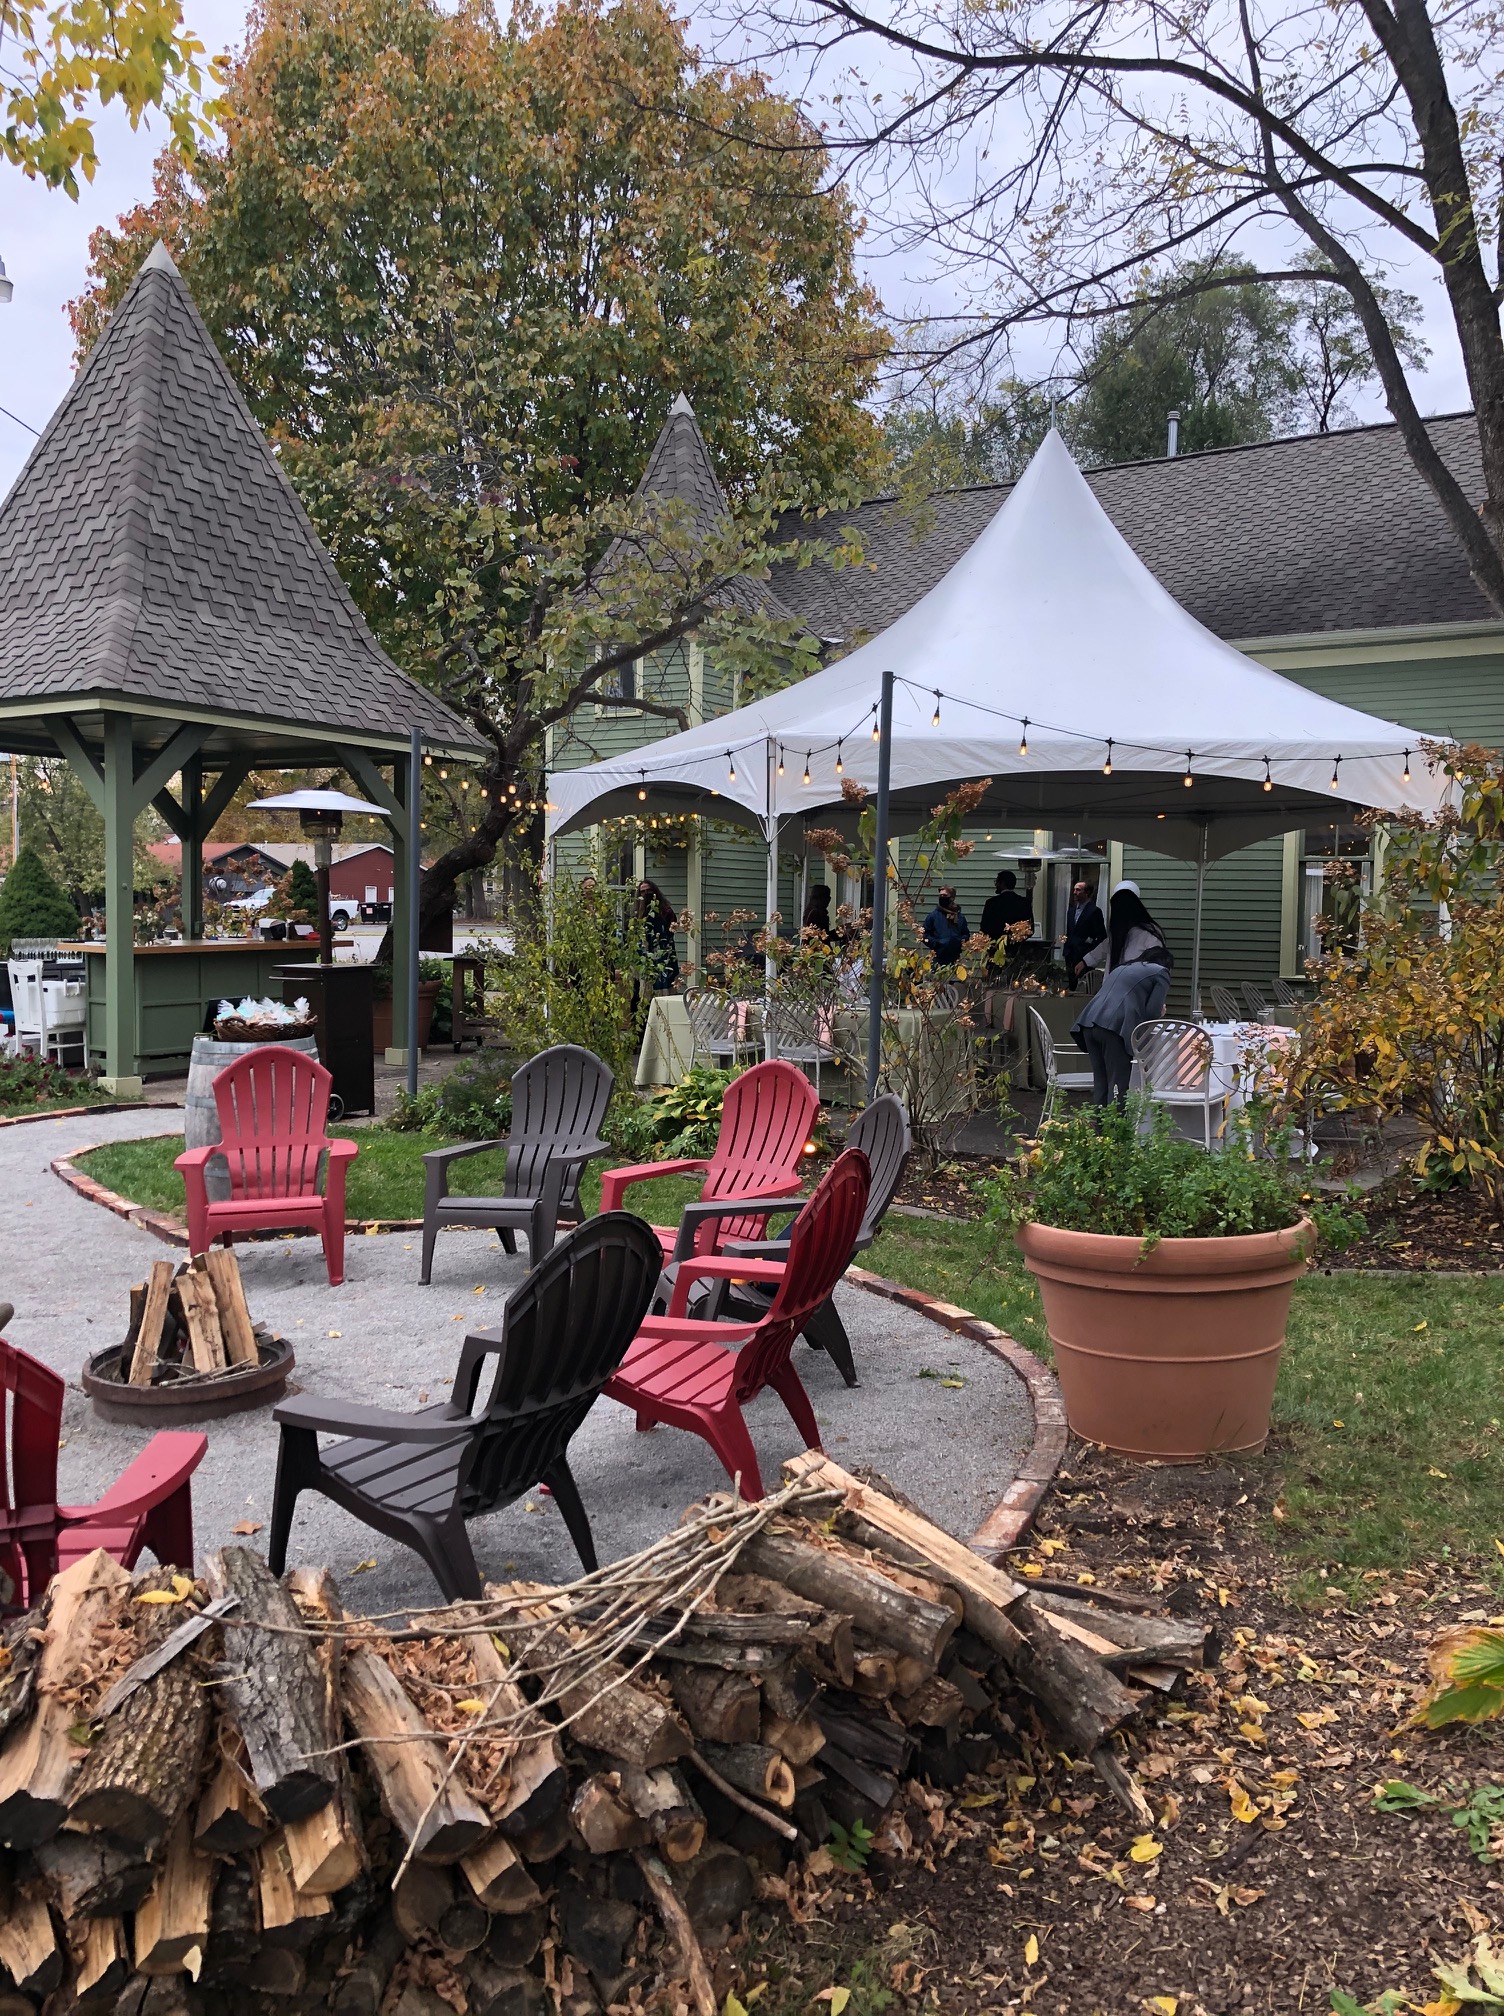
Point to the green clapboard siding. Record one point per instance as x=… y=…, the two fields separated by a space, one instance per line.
x=1239 y=918
x=1459 y=695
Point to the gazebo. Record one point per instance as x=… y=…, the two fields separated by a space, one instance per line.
x=171 y=614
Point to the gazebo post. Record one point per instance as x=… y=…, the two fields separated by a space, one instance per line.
x=400 y=800
x=191 y=888
x=121 y=1075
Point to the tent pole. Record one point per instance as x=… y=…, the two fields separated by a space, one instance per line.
x=414 y=891
x=1196 y=935
x=770 y=964
x=879 y=888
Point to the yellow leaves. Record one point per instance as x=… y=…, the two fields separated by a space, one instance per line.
x=1243 y=1808
x=1162 y=2005
x=734 y=2005
x=836 y=1997
x=364 y=1567
x=471 y=1707
x=1146 y=1849
x=1467 y=1678
x=1315 y=1718
x=1422 y=1326
x=1051 y=1547
x=1031 y=1951
x=182 y=1586
x=1033 y=1568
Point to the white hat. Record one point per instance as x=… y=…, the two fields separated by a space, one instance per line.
x=1131 y=887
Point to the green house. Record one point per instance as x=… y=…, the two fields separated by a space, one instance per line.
x=1324 y=556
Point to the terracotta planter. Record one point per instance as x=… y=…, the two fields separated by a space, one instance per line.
x=381 y=1016
x=1172 y=1354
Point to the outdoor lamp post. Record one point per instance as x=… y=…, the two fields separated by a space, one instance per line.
x=321 y=816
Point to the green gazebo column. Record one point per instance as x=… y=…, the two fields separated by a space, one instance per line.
x=121 y=1072
x=404 y=837
x=191 y=893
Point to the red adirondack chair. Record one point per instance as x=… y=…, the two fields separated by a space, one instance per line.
x=149 y=1505
x=273 y=1106
x=766 y=1119
x=682 y=1372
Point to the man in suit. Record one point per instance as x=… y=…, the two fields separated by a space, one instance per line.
x=1084 y=928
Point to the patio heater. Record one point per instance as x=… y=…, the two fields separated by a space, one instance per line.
x=321 y=818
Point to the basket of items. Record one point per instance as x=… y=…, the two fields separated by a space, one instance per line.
x=265 y=1021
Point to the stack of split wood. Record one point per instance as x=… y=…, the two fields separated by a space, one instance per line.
x=217 y=1792
x=190 y=1322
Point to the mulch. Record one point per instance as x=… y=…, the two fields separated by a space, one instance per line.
x=1269 y=1881
x=1441 y=1231
x=953 y=1189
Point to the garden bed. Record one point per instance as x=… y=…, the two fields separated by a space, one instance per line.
x=30 y=1085
x=1443 y=1231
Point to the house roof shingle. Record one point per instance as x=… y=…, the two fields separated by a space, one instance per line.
x=153 y=550
x=1316 y=533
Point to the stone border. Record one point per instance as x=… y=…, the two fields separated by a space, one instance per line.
x=72 y=1112
x=1008 y=1521
x=1004 y=1526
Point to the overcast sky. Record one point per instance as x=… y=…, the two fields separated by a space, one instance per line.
x=44 y=242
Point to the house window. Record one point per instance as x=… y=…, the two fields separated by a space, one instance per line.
x=622 y=683
x=1336 y=880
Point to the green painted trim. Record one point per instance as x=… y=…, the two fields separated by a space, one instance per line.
x=191 y=880
x=45 y=707
x=120 y=1060
x=370 y=779
x=166 y=764
x=88 y=771
x=1487 y=635
x=226 y=785
x=1290 y=964
x=407 y=791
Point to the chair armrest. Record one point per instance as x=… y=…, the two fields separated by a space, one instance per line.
x=760 y=1204
x=343 y=1151
x=614 y=1181
x=336 y=1417
x=167 y=1462
x=696 y=1332
x=756 y=1249
x=716 y=1268
x=195 y=1158
x=439 y=1158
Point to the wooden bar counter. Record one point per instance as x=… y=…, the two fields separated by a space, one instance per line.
x=176 y=985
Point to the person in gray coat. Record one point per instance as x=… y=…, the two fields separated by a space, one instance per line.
x=1135 y=990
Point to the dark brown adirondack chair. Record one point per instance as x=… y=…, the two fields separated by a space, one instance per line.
x=559 y=1100
x=882 y=1134
x=418 y=1477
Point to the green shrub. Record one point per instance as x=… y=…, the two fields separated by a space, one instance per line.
x=682 y=1119
x=1097 y=1172
x=34 y=1081
x=32 y=905
x=473 y=1103
x=569 y=978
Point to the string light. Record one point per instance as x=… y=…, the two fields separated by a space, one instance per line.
x=1405 y=774
x=642 y=797
x=731 y=760
x=935 y=717
x=444 y=774
x=464 y=783
x=1187 y=780
x=1336 y=766
x=1268 y=780
x=1023 y=740
x=1107 y=766
x=840 y=766
x=876 y=731
x=780 y=759
x=428 y=762
x=806 y=765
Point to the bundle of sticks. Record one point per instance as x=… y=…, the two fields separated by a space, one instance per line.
x=220 y=1790
x=189 y=1320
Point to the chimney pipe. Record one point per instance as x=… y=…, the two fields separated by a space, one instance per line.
x=1172 y=445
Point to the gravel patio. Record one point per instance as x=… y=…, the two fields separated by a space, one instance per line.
x=67 y=1265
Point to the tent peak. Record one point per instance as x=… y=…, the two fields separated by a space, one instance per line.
x=159 y=260
x=681 y=405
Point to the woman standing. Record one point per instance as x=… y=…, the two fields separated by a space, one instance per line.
x=1138 y=963
x=657 y=916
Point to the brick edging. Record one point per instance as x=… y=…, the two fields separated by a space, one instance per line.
x=72 y=1113
x=1010 y=1518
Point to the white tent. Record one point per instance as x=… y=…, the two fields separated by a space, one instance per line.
x=1061 y=669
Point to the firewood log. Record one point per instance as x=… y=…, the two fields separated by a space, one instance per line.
x=665 y=1802
x=142 y=1767
x=276 y=1689
x=1165 y=1641
x=594 y=1930
x=325 y=1847
x=92 y=1876
x=420 y=1897
x=549 y=1838
x=603 y=1819
x=230 y=1818
x=288 y=1918
x=869 y=1737
x=716 y=1886
x=756 y=1768
x=20 y=1648
x=499 y=1990
x=537 y=1784
x=429 y=1807
x=719 y=1707
x=235 y=1325
x=513 y=1940
x=498 y=1876
x=363 y=1989
x=174 y=1915
x=277 y=1970
x=798 y=1741
x=463 y=1927
x=148 y=1341
x=31 y=1954
x=825 y=1640
x=876 y=1676
x=937 y=1704
x=103 y=1961
x=39 y=1757
x=195 y=1293
x=789 y=1692
x=234 y=1917
x=887 y=1614
x=630 y=1724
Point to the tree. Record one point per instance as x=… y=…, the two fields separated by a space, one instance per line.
x=52 y=65
x=460 y=273
x=32 y=905
x=62 y=825
x=1102 y=144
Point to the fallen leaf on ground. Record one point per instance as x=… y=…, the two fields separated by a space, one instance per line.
x=1145 y=1849
x=246 y=1526
x=361 y=1566
x=1031 y=1951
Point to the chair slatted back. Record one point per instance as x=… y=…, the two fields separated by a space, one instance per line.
x=1045 y=1041
x=766 y=1119
x=31 y=1394
x=881 y=1131
x=1285 y=994
x=1175 y=1056
x=1257 y=999
x=821 y=1242
x=273 y=1106
x=1229 y=1008
x=713 y=1019
x=559 y=1098
x=565 y=1330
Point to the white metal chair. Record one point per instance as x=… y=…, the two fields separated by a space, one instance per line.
x=1177 y=1062
x=1229 y=1008
x=1258 y=1001
x=1285 y=994
x=797 y=1038
x=1056 y=1080
x=718 y=1027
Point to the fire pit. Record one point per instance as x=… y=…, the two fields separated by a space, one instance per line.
x=191 y=1352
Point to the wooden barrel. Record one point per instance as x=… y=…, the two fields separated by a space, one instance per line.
x=201 y=1119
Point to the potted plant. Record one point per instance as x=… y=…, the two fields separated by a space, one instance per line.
x=430 y=986
x=1166 y=1276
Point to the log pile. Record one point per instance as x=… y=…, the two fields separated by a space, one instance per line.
x=192 y=1319
x=228 y=1795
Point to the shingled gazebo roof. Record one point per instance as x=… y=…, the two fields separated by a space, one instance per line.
x=155 y=559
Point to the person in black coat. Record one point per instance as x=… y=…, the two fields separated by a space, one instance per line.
x=1005 y=908
x=1084 y=928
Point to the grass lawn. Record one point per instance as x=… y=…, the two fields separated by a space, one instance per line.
x=1389 y=1414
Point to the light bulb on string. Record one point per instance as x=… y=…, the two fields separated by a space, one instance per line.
x=642 y=797
x=428 y=762
x=806 y=765
x=1107 y=766
x=464 y=783
x=780 y=759
x=1188 y=780
x=731 y=770
x=935 y=717
x=444 y=774
x=1023 y=740
x=876 y=731
x=1405 y=773
x=840 y=766
x=1336 y=780
x=1268 y=780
